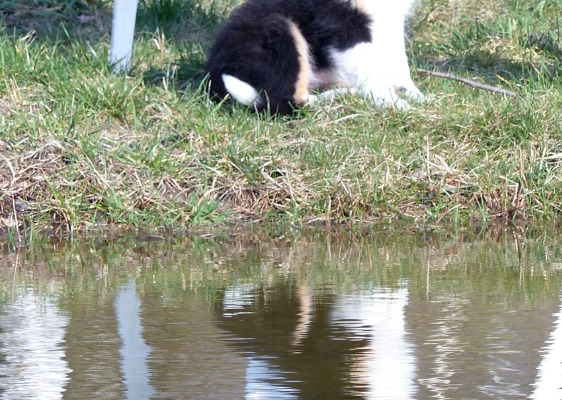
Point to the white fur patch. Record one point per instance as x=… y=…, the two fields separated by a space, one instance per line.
x=380 y=68
x=240 y=91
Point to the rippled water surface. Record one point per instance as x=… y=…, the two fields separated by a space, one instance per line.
x=388 y=315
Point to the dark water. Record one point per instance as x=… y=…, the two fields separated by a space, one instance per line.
x=390 y=315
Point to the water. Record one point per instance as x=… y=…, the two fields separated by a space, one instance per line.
x=389 y=315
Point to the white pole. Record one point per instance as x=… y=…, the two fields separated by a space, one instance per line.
x=134 y=350
x=122 y=33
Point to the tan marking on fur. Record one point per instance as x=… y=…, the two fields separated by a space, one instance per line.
x=360 y=4
x=305 y=71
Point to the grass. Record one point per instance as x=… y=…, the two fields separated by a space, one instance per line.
x=81 y=147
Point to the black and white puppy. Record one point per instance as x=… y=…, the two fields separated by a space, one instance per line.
x=274 y=54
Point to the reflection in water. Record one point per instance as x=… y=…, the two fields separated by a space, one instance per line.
x=32 y=354
x=358 y=341
x=236 y=298
x=263 y=381
x=445 y=345
x=385 y=368
x=134 y=351
x=306 y=312
x=322 y=318
x=189 y=357
x=549 y=382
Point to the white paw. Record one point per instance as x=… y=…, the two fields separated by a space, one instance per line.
x=329 y=95
x=412 y=92
x=387 y=98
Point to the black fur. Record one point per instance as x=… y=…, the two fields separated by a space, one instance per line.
x=256 y=45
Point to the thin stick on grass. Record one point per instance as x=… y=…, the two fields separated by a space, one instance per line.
x=466 y=81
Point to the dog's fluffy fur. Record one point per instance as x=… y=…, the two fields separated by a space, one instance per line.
x=274 y=54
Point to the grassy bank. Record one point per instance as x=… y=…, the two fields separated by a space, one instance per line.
x=80 y=146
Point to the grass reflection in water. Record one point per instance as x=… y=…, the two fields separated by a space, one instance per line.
x=389 y=314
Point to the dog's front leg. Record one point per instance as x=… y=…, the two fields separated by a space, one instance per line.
x=360 y=68
x=379 y=69
x=392 y=61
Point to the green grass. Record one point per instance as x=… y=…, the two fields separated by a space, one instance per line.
x=81 y=147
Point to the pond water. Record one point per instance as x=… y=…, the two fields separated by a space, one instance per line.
x=378 y=315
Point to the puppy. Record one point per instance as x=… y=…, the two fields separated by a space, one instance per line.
x=276 y=54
